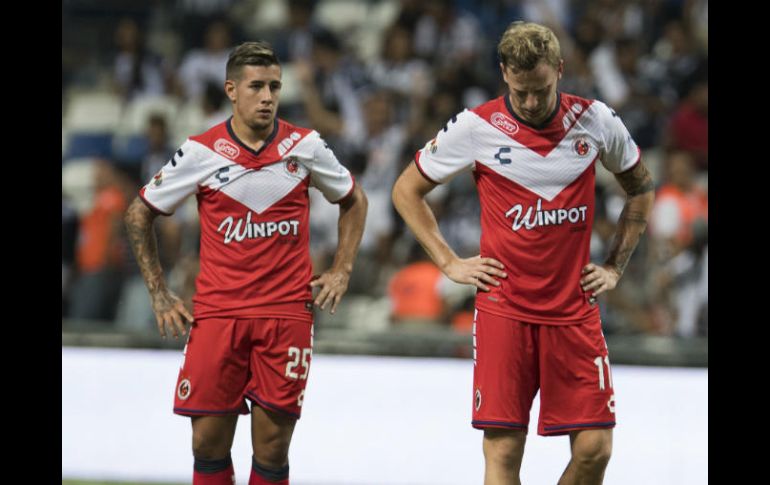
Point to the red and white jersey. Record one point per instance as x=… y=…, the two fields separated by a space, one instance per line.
x=253 y=207
x=536 y=191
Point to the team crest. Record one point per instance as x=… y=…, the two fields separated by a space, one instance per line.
x=183 y=391
x=227 y=149
x=292 y=166
x=582 y=147
x=158 y=178
x=477 y=400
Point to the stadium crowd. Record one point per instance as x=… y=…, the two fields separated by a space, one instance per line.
x=377 y=79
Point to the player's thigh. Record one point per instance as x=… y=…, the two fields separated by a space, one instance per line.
x=271 y=432
x=576 y=387
x=280 y=365
x=214 y=370
x=504 y=445
x=505 y=372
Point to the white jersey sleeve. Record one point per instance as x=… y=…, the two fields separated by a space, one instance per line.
x=178 y=179
x=327 y=174
x=451 y=152
x=619 y=152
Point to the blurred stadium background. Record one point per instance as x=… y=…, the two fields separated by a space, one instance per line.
x=377 y=79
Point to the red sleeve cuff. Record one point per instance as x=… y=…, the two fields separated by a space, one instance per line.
x=638 y=159
x=150 y=206
x=350 y=192
x=419 y=168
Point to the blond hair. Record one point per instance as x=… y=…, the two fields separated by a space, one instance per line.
x=524 y=44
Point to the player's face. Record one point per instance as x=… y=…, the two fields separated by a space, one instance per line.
x=533 y=93
x=255 y=95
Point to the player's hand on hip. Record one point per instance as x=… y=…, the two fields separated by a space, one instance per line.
x=170 y=310
x=333 y=285
x=476 y=271
x=598 y=279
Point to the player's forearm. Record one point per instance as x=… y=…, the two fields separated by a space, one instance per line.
x=350 y=230
x=141 y=235
x=419 y=217
x=631 y=226
x=640 y=195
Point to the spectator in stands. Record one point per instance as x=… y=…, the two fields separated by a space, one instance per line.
x=634 y=87
x=421 y=295
x=192 y=18
x=295 y=41
x=101 y=250
x=376 y=166
x=159 y=149
x=680 y=56
x=331 y=89
x=689 y=127
x=69 y=238
x=215 y=109
x=415 y=295
x=206 y=66
x=679 y=229
x=446 y=36
x=137 y=71
x=400 y=71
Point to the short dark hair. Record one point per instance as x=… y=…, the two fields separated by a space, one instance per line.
x=258 y=53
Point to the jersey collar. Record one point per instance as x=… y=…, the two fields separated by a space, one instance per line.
x=535 y=127
x=267 y=142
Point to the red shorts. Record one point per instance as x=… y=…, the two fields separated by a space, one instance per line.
x=226 y=361
x=567 y=363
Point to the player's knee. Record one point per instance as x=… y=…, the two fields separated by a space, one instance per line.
x=504 y=448
x=209 y=446
x=273 y=450
x=594 y=453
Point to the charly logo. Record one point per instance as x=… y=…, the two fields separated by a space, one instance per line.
x=477 y=400
x=503 y=123
x=226 y=148
x=551 y=217
x=183 y=391
x=158 y=178
x=582 y=147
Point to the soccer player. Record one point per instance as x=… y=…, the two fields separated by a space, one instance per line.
x=537 y=325
x=251 y=332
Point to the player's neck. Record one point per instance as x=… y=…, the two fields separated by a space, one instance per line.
x=252 y=138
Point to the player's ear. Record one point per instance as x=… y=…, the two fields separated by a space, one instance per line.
x=230 y=89
x=561 y=67
x=505 y=74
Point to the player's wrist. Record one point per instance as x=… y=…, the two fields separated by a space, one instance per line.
x=447 y=263
x=159 y=291
x=615 y=268
x=345 y=268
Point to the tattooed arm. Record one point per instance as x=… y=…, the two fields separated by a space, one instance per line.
x=640 y=195
x=168 y=308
